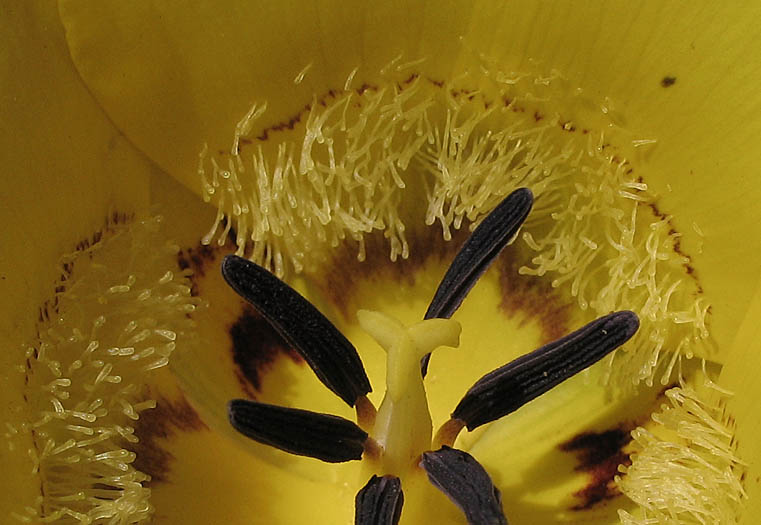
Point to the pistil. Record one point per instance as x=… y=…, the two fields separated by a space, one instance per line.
x=403 y=426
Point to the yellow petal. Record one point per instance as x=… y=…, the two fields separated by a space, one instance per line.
x=66 y=171
x=208 y=65
x=206 y=68
x=65 y=168
x=740 y=377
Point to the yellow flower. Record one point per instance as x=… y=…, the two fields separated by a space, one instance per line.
x=402 y=114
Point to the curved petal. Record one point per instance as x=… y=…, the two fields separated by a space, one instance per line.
x=65 y=169
x=207 y=65
x=174 y=78
x=210 y=63
x=740 y=377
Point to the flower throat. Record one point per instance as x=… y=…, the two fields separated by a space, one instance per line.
x=397 y=441
x=405 y=149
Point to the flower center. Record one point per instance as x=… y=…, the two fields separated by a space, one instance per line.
x=406 y=149
x=403 y=426
x=400 y=432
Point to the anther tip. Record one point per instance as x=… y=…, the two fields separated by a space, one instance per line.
x=628 y=320
x=232 y=262
x=524 y=193
x=232 y=265
x=233 y=411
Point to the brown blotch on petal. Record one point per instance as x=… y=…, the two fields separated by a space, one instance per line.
x=255 y=348
x=532 y=298
x=254 y=344
x=328 y=352
x=155 y=426
x=198 y=259
x=204 y=258
x=344 y=272
x=599 y=454
x=677 y=245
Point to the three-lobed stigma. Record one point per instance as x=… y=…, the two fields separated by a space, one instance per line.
x=397 y=441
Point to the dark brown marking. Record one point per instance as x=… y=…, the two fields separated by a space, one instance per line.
x=157 y=425
x=344 y=272
x=531 y=297
x=410 y=79
x=288 y=124
x=365 y=87
x=198 y=259
x=112 y=220
x=677 y=244
x=255 y=348
x=668 y=81
x=599 y=455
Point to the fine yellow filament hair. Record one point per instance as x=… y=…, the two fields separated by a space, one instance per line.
x=120 y=309
x=357 y=159
x=685 y=471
